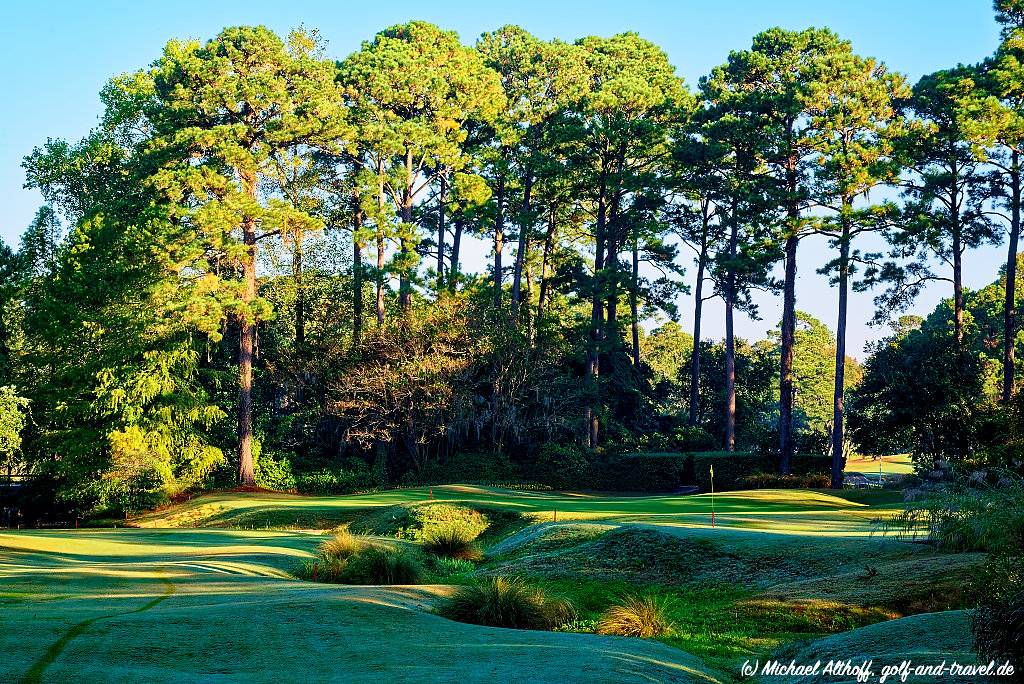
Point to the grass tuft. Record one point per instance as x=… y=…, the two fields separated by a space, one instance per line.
x=508 y=602
x=637 y=616
x=383 y=565
x=343 y=545
x=452 y=542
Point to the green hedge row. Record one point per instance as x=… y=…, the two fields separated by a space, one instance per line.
x=664 y=472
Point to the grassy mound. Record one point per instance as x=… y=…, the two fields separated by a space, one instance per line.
x=924 y=639
x=650 y=554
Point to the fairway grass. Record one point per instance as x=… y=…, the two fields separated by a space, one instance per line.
x=793 y=511
x=203 y=590
x=201 y=605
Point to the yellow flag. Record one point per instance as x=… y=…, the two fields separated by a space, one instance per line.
x=712 y=470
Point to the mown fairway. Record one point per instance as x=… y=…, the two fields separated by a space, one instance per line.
x=159 y=604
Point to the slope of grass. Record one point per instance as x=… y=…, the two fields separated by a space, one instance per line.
x=177 y=605
x=926 y=639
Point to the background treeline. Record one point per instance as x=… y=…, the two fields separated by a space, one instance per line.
x=252 y=269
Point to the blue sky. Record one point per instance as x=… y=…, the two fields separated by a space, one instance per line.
x=55 y=57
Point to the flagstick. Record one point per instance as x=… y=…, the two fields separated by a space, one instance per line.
x=712 y=496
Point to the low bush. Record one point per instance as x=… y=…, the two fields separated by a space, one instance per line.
x=637 y=616
x=331 y=482
x=644 y=472
x=452 y=542
x=483 y=468
x=507 y=602
x=998 y=620
x=563 y=466
x=776 y=481
x=963 y=518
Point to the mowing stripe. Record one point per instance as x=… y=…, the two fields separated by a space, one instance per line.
x=35 y=673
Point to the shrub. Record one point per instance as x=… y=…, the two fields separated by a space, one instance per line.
x=507 y=602
x=452 y=542
x=272 y=473
x=966 y=519
x=636 y=616
x=382 y=565
x=776 y=481
x=563 y=466
x=998 y=621
x=324 y=569
x=484 y=468
x=330 y=482
x=644 y=472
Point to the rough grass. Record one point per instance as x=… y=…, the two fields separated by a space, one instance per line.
x=507 y=602
x=637 y=616
x=452 y=543
x=349 y=559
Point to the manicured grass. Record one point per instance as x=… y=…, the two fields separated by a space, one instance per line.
x=779 y=567
x=193 y=605
x=899 y=464
x=812 y=512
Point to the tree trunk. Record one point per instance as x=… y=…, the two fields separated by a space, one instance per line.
x=730 y=337
x=525 y=225
x=633 y=304
x=596 y=318
x=300 y=293
x=247 y=341
x=357 y=274
x=499 y=238
x=786 y=384
x=838 y=397
x=405 y=278
x=1010 y=304
x=549 y=238
x=698 y=310
x=453 y=272
x=380 y=244
x=440 y=234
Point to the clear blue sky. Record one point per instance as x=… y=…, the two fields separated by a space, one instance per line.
x=55 y=57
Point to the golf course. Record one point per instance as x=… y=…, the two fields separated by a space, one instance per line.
x=208 y=590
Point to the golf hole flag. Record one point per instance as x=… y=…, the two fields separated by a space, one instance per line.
x=712 y=495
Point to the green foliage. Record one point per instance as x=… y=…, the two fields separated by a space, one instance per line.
x=776 y=481
x=507 y=602
x=998 y=621
x=563 y=466
x=963 y=518
x=646 y=472
x=12 y=422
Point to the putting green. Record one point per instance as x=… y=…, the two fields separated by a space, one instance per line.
x=215 y=605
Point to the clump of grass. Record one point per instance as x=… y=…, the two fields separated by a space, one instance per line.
x=637 y=616
x=348 y=558
x=452 y=542
x=508 y=602
x=448 y=569
x=382 y=565
x=343 y=545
